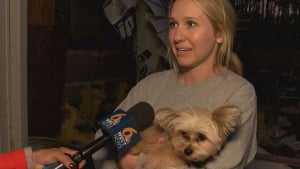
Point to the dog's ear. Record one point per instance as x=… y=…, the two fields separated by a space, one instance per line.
x=164 y=118
x=227 y=118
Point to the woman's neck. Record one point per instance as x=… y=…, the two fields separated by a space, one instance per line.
x=196 y=75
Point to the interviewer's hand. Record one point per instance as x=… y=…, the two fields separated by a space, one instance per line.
x=44 y=157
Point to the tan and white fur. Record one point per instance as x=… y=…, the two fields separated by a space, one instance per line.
x=179 y=138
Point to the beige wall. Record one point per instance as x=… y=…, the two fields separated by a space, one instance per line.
x=13 y=74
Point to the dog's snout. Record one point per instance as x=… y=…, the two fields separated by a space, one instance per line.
x=188 y=151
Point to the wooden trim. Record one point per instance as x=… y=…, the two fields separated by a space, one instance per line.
x=13 y=74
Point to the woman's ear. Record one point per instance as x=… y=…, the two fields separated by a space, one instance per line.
x=219 y=38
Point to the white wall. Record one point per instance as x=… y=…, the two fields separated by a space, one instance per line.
x=13 y=74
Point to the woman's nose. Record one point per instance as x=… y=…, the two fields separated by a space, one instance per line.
x=179 y=35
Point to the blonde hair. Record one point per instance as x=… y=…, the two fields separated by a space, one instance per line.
x=222 y=16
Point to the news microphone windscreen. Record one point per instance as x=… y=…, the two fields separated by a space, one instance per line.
x=143 y=114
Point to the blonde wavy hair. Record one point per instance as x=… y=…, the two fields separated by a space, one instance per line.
x=222 y=16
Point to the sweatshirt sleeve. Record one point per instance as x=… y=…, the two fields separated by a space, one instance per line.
x=13 y=160
x=240 y=149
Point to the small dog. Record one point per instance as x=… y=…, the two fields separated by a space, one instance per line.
x=178 y=139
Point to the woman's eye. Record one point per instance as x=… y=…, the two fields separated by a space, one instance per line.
x=172 y=24
x=191 y=23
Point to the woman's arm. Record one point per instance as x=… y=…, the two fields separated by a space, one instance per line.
x=13 y=160
x=240 y=148
x=26 y=159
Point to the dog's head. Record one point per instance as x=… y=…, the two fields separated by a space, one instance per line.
x=197 y=134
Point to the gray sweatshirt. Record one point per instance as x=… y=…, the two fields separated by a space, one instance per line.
x=162 y=90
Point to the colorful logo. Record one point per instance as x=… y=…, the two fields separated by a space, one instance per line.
x=124 y=137
x=117 y=117
x=112 y=120
x=128 y=133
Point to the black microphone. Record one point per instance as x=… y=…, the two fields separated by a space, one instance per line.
x=119 y=127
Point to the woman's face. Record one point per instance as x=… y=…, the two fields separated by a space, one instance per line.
x=191 y=36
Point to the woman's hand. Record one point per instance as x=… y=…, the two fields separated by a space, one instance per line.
x=127 y=161
x=44 y=157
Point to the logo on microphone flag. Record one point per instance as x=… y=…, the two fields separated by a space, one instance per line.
x=122 y=129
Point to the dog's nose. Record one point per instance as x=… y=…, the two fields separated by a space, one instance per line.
x=188 y=151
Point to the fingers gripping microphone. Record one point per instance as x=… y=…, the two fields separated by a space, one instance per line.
x=119 y=127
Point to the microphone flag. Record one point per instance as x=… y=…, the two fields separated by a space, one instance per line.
x=122 y=128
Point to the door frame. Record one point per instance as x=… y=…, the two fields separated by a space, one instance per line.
x=13 y=75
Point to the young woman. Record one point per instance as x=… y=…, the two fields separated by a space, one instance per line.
x=206 y=73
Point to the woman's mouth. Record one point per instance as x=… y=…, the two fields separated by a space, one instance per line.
x=182 y=51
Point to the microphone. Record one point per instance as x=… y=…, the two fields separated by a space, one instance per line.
x=119 y=127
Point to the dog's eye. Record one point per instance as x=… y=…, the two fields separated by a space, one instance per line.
x=183 y=134
x=201 y=137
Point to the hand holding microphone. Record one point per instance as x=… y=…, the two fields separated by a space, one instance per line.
x=120 y=128
x=47 y=156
